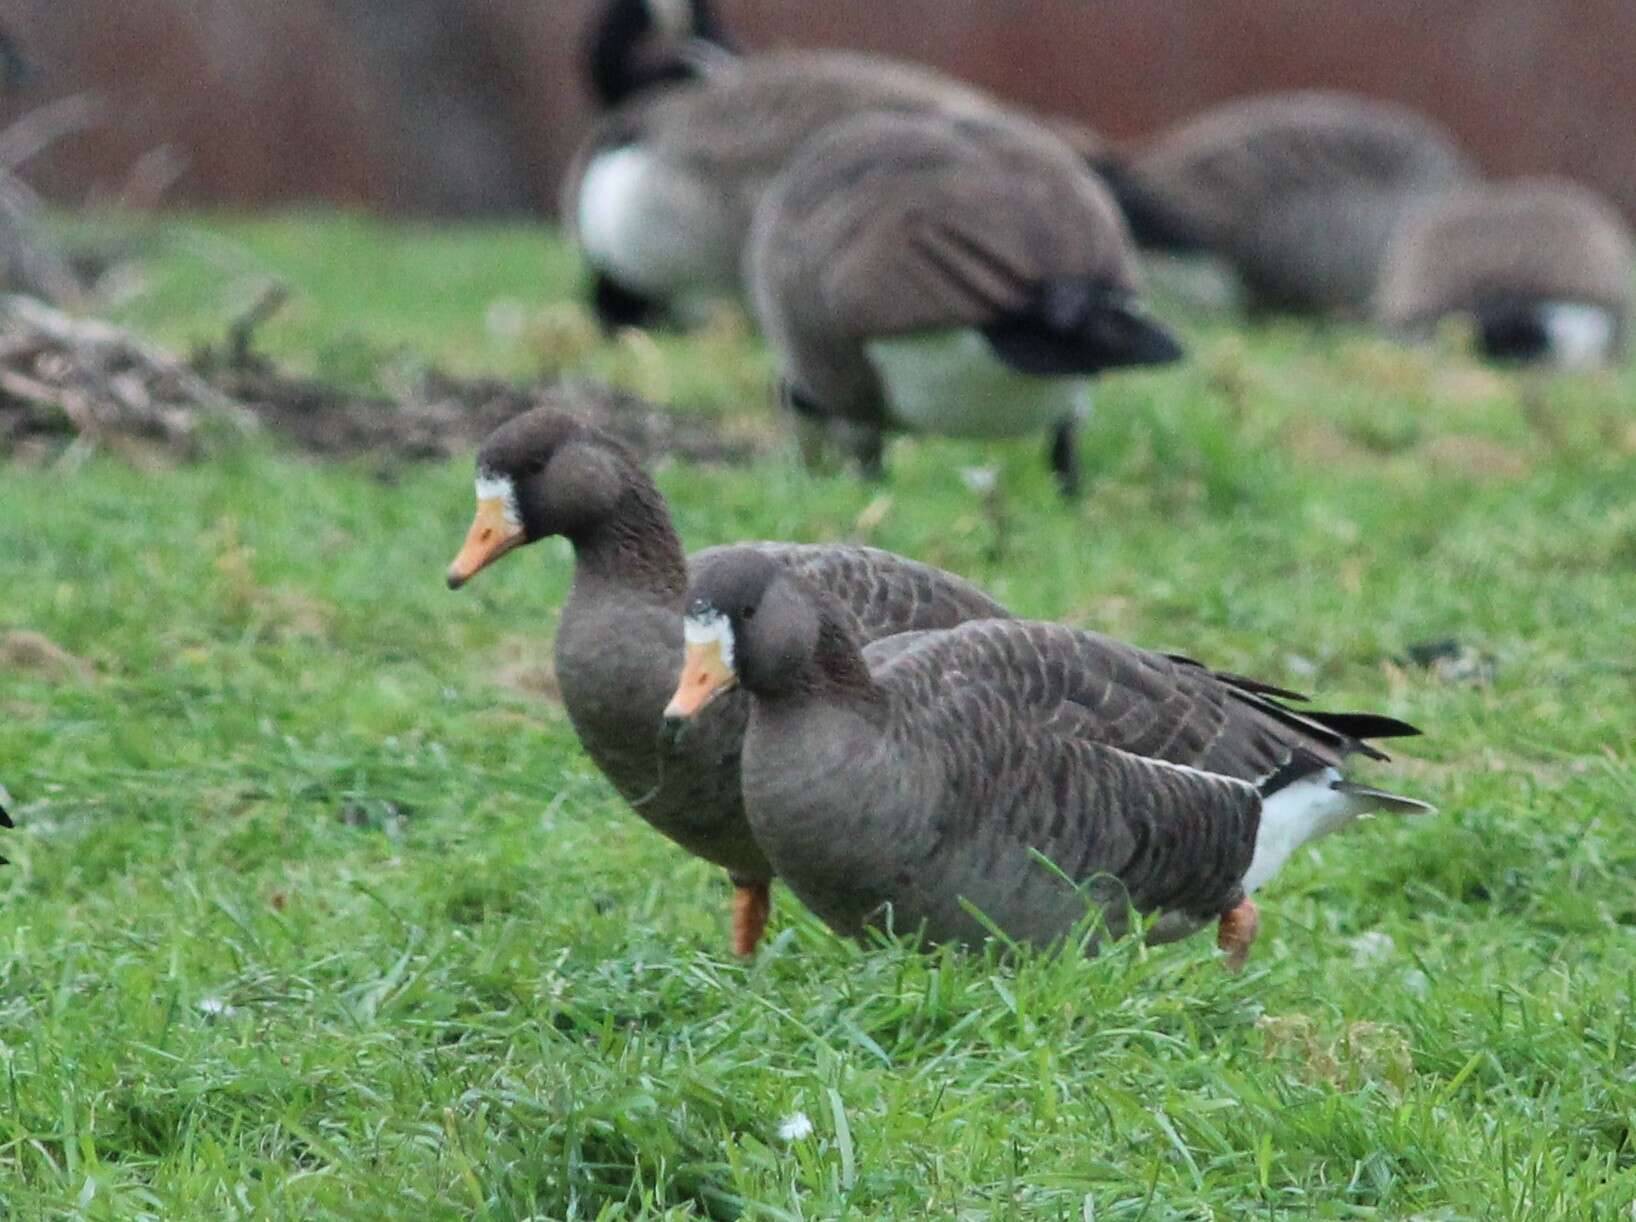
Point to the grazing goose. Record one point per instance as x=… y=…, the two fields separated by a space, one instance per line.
x=1299 y=192
x=1543 y=266
x=619 y=637
x=956 y=275
x=660 y=195
x=986 y=747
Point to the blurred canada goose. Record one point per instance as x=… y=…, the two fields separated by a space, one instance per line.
x=639 y=45
x=660 y=194
x=5 y=821
x=957 y=275
x=1020 y=768
x=619 y=636
x=1299 y=191
x=1543 y=266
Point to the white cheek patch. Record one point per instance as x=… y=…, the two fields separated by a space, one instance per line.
x=1581 y=335
x=492 y=487
x=707 y=626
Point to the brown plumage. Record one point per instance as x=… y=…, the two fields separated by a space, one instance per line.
x=619 y=636
x=1507 y=254
x=986 y=236
x=1298 y=191
x=919 y=781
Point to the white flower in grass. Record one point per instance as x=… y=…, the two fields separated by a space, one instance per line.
x=217 y=1008
x=796 y=1127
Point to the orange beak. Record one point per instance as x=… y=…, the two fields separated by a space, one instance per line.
x=491 y=536
x=704 y=677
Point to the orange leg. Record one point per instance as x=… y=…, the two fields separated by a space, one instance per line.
x=752 y=905
x=1237 y=932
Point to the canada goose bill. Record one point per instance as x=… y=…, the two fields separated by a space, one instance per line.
x=986 y=281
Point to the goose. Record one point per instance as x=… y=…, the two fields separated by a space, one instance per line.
x=1015 y=768
x=1543 y=266
x=1297 y=191
x=619 y=637
x=660 y=195
x=962 y=275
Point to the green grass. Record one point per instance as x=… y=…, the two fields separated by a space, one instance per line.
x=316 y=910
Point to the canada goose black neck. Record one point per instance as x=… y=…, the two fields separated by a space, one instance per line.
x=619 y=69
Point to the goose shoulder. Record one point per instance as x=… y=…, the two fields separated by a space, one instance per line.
x=882 y=593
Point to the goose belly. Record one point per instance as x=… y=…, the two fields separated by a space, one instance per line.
x=654 y=229
x=951 y=382
x=1578 y=335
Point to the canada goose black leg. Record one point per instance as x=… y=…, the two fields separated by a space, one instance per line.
x=1063 y=455
x=616 y=306
x=752 y=905
x=869 y=451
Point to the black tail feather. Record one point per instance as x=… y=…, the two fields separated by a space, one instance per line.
x=1080 y=327
x=1365 y=725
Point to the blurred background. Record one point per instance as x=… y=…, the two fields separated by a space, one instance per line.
x=472 y=107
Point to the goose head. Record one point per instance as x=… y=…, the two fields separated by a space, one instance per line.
x=749 y=623
x=540 y=474
x=638 y=44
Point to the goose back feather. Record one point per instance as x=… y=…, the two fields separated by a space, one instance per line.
x=1298 y=190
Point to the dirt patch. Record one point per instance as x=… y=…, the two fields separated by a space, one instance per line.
x=77 y=382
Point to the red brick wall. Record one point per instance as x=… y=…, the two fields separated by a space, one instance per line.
x=283 y=100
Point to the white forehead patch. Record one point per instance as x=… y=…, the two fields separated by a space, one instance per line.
x=492 y=487
x=707 y=625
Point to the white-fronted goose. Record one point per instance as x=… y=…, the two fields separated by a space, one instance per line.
x=619 y=637
x=1024 y=769
x=1298 y=191
x=1544 y=267
x=955 y=275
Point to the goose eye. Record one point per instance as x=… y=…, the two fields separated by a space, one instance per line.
x=535 y=466
x=748 y=613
